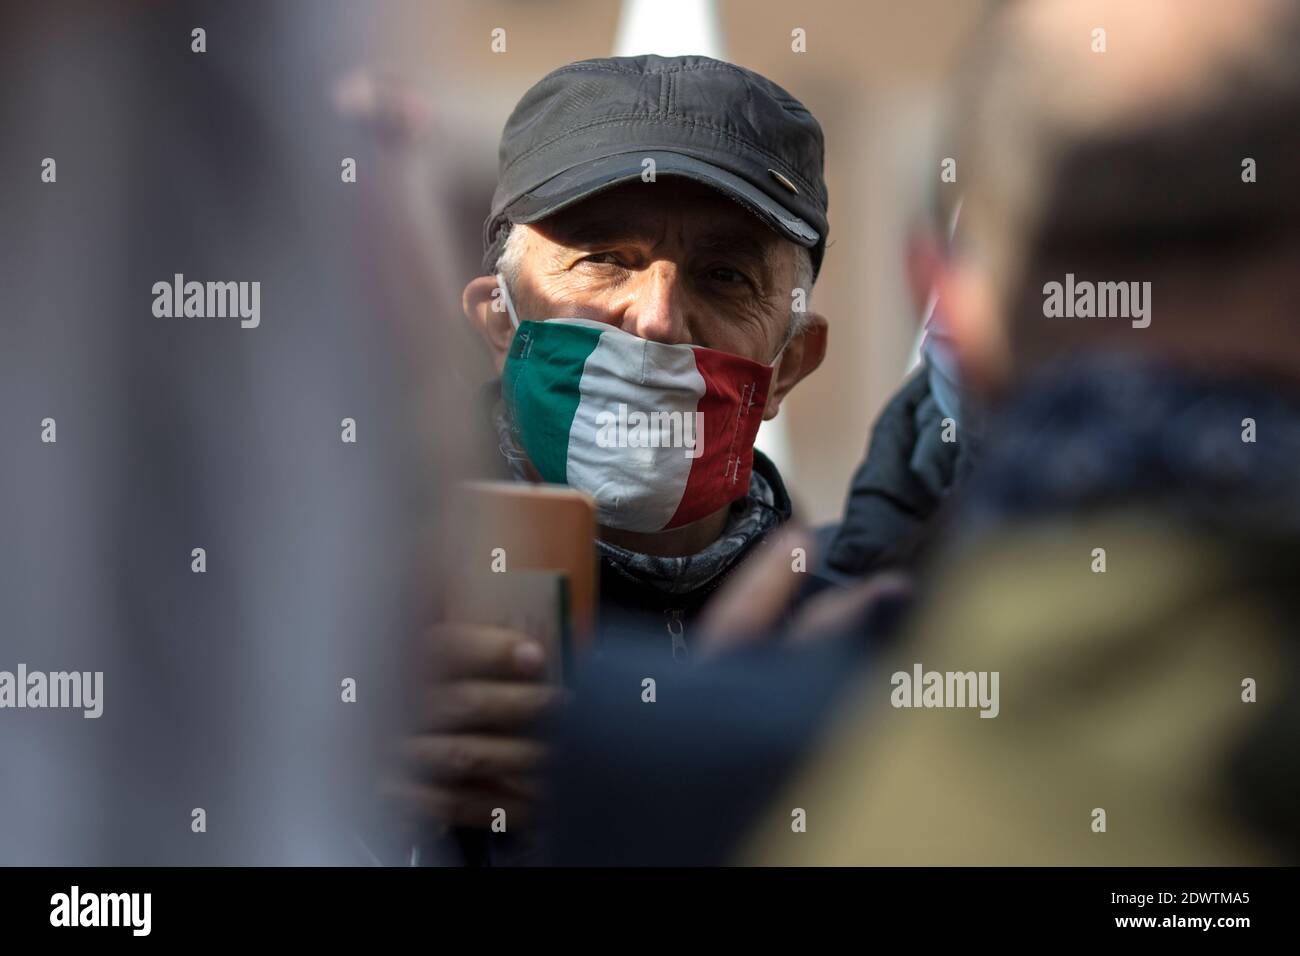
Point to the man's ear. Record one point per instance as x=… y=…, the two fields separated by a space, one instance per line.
x=972 y=314
x=486 y=309
x=801 y=357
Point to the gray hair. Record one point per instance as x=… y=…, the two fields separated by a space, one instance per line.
x=512 y=254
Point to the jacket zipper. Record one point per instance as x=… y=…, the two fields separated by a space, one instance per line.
x=677 y=632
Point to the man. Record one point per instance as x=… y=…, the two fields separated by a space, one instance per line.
x=1125 y=560
x=217 y=689
x=679 y=200
x=651 y=248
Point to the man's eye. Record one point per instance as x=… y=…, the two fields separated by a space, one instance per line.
x=601 y=258
x=727 y=274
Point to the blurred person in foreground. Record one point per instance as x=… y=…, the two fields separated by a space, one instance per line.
x=1124 y=560
x=924 y=443
x=226 y=736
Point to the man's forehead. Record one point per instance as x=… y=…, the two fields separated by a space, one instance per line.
x=649 y=210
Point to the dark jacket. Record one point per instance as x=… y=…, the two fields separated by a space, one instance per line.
x=679 y=782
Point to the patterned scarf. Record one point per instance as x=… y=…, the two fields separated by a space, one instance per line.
x=1103 y=430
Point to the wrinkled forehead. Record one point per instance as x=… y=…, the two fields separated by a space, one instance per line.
x=668 y=209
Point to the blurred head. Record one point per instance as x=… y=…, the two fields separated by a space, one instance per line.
x=1124 y=142
x=673 y=261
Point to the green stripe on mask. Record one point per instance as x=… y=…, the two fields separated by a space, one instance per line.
x=545 y=364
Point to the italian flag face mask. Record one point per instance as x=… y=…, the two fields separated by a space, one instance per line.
x=660 y=435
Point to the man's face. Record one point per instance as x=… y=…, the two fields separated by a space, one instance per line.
x=671 y=261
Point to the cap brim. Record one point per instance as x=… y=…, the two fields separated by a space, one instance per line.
x=587 y=179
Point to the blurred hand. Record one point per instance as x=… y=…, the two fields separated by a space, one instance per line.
x=751 y=608
x=750 y=605
x=481 y=693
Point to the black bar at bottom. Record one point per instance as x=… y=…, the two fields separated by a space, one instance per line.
x=386 y=905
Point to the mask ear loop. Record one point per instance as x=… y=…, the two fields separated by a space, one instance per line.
x=512 y=452
x=789 y=337
x=505 y=297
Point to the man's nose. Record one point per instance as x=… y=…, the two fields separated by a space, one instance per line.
x=658 y=308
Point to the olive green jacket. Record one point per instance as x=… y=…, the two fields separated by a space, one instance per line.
x=1125 y=691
